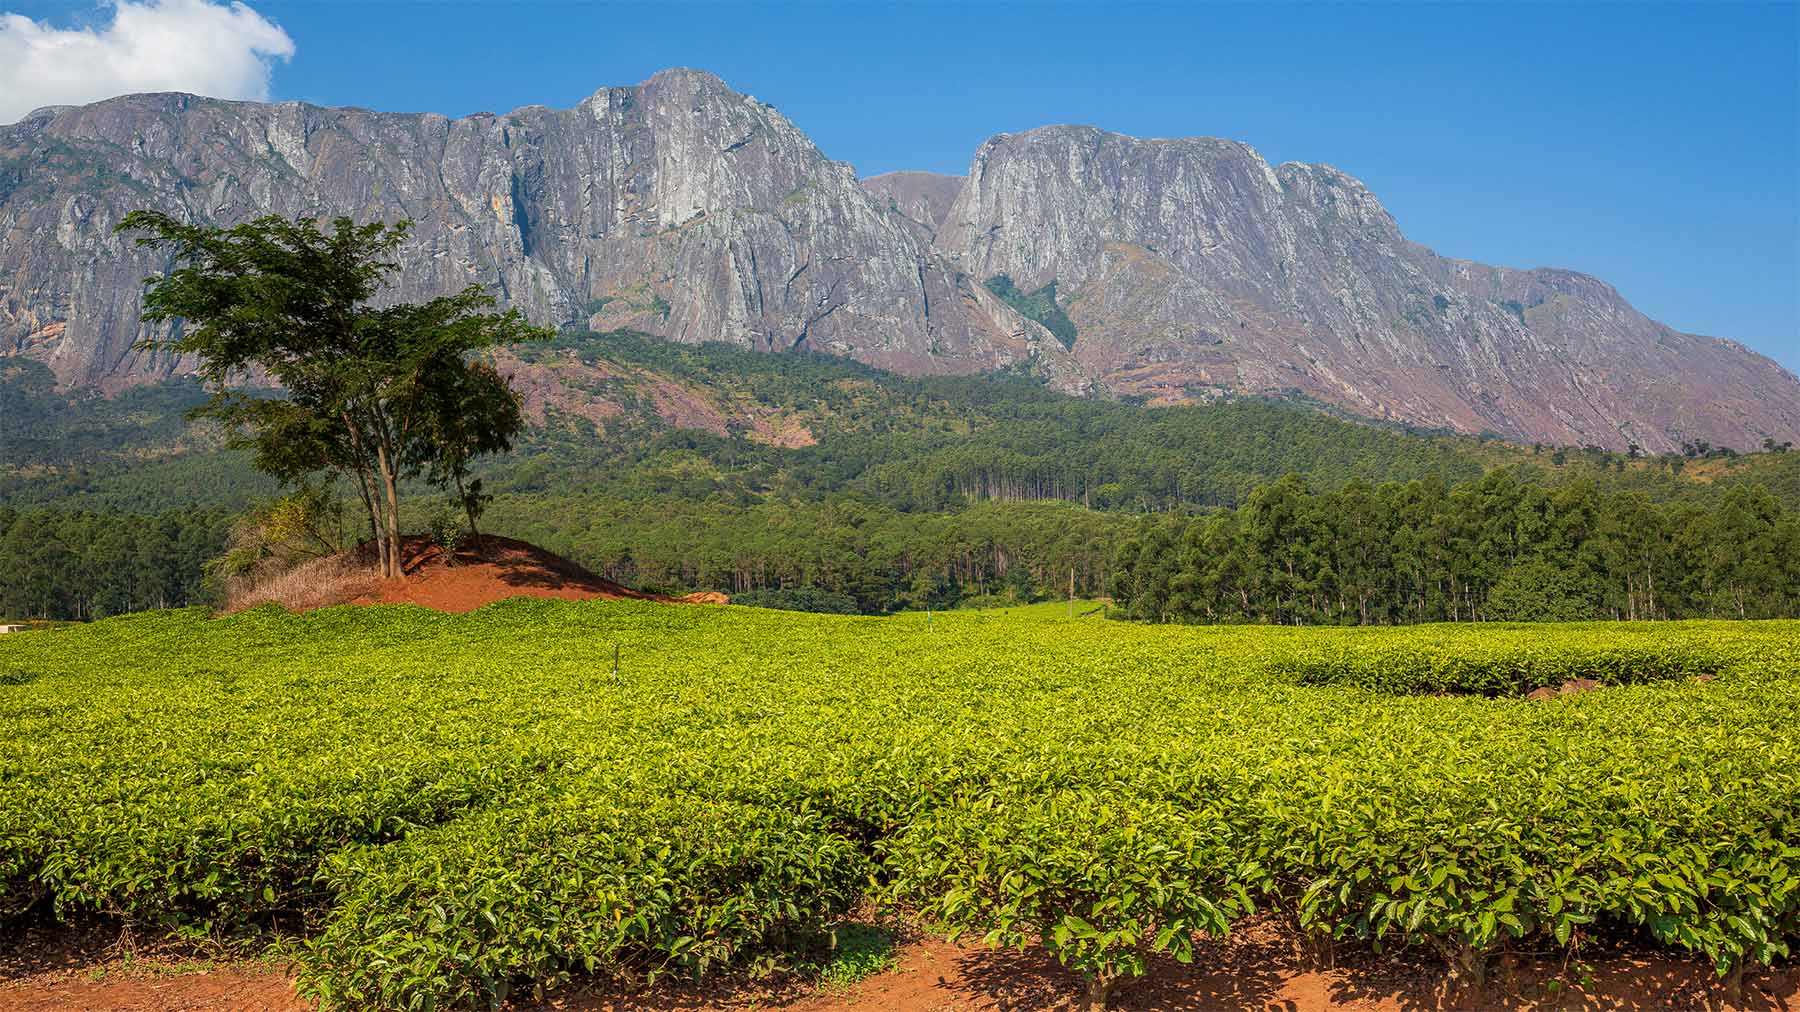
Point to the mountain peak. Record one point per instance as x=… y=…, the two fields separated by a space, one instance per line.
x=689 y=76
x=1168 y=269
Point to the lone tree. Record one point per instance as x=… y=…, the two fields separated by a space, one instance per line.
x=376 y=394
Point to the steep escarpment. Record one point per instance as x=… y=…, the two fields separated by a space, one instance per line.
x=677 y=206
x=1173 y=270
x=1193 y=268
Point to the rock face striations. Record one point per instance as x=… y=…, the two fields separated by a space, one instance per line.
x=1193 y=266
x=677 y=207
x=1174 y=270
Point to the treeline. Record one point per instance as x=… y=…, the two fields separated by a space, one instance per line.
x=1493 y=549
x=841 y=556
x=78 y=564
x=827 y=556
x=931 y=490
x=1499 y=548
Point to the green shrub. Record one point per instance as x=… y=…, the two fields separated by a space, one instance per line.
x=1100 y=881
x=457 y=917
x=1502 y=662
x=447 y=531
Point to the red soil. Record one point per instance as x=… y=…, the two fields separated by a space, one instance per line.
x=1257 y=970
x=500 y=568
x=223 y=990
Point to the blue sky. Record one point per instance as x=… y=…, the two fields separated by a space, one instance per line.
x=1652 y=146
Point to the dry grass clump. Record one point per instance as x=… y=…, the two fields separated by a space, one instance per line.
x=315 y=583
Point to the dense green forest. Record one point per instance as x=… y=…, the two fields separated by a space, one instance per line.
x=76 y=564
x=872 y=555
x=655 y=466
x=1494 y=549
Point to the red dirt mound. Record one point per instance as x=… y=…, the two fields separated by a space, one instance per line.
x=496 y=569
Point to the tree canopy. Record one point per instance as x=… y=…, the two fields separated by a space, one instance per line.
x=375 y=393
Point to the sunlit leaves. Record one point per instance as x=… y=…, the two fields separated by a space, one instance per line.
x=452 y=809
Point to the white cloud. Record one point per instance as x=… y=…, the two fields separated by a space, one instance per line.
x=197 y=46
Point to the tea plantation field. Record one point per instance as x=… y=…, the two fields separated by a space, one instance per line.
x=438 y=811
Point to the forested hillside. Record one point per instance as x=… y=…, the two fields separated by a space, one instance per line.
x=818 y=482
x=77 y=564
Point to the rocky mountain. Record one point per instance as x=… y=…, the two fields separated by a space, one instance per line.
x=677 y=207
x=1193 y=267
x=1171 y=270
x=922 y=198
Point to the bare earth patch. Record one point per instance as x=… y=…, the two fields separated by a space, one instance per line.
x=500 y=568
x=497 y=569
x=227 y=989
x=50 y=968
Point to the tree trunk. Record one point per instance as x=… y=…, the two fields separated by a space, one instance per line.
x=1098 y=990
x=365 y=484
x=391 y=564
x=469 y=511
x=372 y=503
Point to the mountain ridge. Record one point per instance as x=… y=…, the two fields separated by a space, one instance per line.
x=1171 y=269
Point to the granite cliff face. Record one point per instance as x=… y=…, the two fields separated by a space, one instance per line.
x=678 y=207
x=1193 y=267
x=1185 y=269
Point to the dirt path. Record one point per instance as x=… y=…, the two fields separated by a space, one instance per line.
x=1253 y=972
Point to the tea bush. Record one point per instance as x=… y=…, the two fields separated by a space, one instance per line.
x=441 y=811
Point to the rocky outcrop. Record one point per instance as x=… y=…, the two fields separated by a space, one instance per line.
x=1186 y=269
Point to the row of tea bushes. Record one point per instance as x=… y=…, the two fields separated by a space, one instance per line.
x=448 y=810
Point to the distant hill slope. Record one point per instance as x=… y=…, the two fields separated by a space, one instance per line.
x=638 y=418
x=1176 y=271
